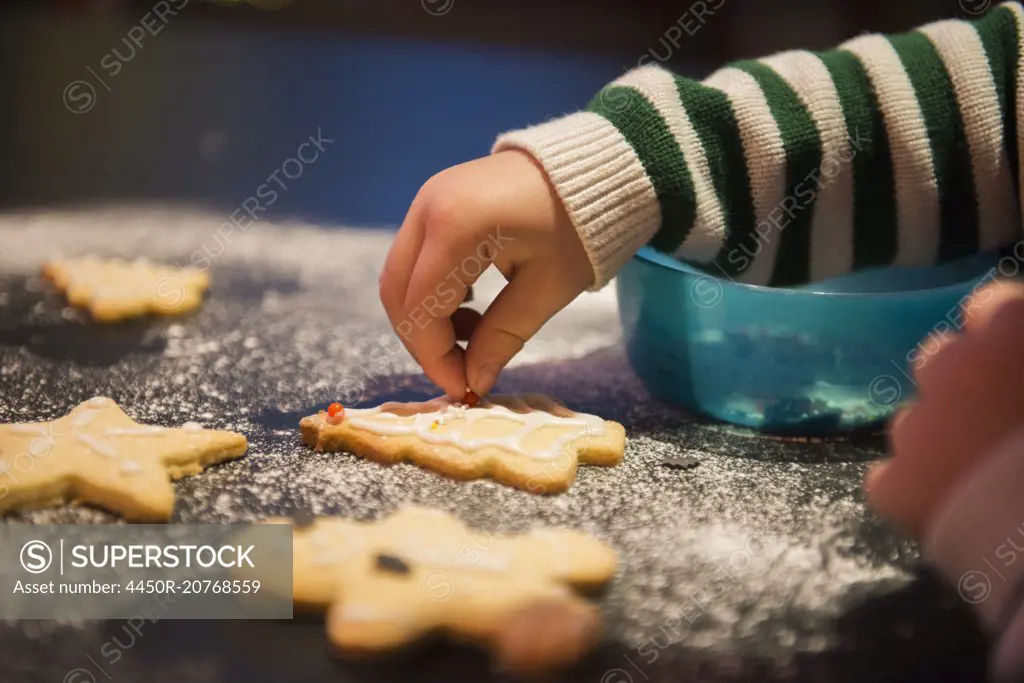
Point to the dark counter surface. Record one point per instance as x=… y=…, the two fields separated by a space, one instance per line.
x=760 y=563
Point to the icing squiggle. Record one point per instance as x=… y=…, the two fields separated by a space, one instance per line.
x=84 y=417
x=144 y=430
x=97 y=445
x=34 y=429
x=434 y=556
x=376 y=420
x=149 y=430
x=130 y=467
x=358 y=611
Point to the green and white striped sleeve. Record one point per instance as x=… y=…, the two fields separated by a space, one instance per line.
x=889 y=150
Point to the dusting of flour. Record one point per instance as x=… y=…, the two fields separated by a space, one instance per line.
x=758 y=552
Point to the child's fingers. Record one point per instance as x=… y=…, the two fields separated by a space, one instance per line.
x=432 y=342
x=465 y=321
x=439 y=284
x=398 y=265
x=516 y=314
x=983 y=306
x=930 y=365
x=907 y=488
x=442 y=360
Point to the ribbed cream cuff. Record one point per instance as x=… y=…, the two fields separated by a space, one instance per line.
x=599 y=177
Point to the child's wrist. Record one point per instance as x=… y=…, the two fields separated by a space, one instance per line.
x=601 y=183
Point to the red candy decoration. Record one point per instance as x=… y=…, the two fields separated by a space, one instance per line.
x=335 y=413
x=470 y=399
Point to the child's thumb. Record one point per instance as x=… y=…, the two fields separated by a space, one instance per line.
x=515 y=315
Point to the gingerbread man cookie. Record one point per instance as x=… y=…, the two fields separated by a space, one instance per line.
x=531 y=442
x=114 y=289
x=419 y=572
x=98 y=455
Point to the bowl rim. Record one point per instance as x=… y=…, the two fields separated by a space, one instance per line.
x=649 y=255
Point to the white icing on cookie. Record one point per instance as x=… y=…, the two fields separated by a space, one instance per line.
x=26 y=429
x=555 y=540
x=359 y=611
x=467 y=556
x=192 y=427
x=107 y=292
x=39 y=447
x=422 y=425
x=4 y=467
x=130 y=467
x=331 y=549
x=142 y=430
x=480 y=559
x=97 y=444
x=98 y=402
x=84 y=417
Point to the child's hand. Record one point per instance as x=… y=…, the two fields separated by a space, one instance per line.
x=499 y=209
x=969 y=390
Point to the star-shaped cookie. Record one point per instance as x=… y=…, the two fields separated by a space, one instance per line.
x=115 y=289
x=420 y=572
x=98 y=455
x=531 y=442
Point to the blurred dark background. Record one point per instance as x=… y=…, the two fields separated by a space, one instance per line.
x=198 y=102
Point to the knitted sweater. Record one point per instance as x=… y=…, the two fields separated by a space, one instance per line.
x=889 y=150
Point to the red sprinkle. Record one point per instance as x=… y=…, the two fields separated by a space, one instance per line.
x=470 y=399
x=335 y=413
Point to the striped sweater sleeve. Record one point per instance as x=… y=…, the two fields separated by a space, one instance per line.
x=889 y=150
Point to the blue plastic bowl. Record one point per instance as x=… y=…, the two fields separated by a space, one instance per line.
x=826 y=358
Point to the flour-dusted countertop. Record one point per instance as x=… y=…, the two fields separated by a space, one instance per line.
x=761 y=563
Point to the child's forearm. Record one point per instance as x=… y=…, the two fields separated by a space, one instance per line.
x=898 y=150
